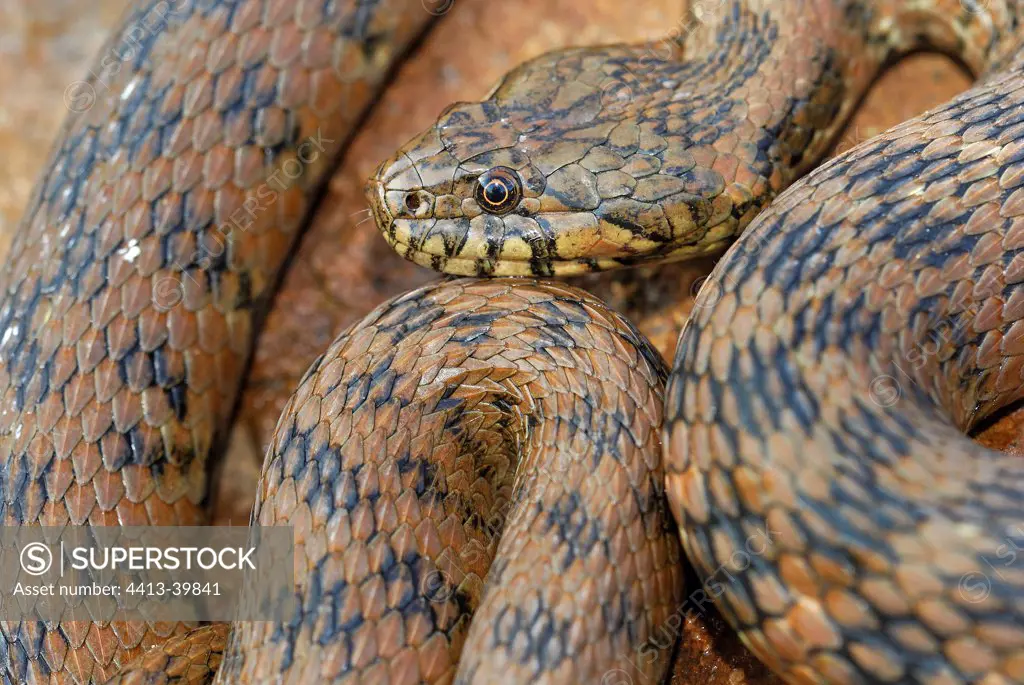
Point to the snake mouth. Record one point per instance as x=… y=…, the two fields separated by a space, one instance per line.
x=487 y=267
x=375 y=195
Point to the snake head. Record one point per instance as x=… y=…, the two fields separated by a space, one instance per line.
x=565 y=168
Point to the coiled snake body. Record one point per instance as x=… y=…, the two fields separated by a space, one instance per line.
x=862 y=321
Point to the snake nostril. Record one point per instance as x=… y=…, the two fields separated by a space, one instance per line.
x=413 y=201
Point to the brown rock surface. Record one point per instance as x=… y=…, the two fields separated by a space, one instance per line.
x=343 y=269
x=43 y=47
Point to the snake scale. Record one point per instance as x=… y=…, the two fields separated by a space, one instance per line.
x=495 y=448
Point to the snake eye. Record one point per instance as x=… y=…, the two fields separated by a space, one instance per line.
x=498 y=190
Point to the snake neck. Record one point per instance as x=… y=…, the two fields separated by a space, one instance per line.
x=822 y=55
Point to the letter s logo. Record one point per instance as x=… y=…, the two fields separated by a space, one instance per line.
x=36 y=558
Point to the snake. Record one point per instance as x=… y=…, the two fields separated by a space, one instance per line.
x=497 y=479
x=864 y=319
x=187 y=167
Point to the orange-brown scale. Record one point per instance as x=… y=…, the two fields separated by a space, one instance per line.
x=191 y=658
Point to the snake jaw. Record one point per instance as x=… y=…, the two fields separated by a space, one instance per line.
x=374 y=191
